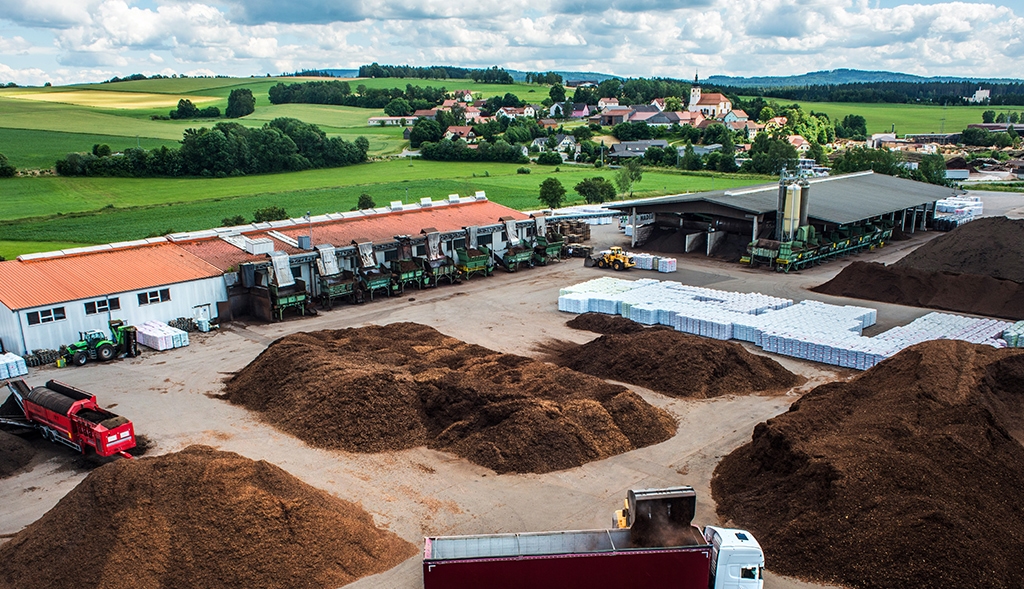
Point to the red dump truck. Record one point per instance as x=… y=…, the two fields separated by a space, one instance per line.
x=653 y=545
x=69 y=416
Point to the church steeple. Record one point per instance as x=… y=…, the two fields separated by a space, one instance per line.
x=696 y=82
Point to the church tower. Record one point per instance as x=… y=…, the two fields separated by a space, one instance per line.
x=694 y=93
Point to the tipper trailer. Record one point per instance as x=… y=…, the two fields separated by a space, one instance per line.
x=68 y=416
x=653 y=547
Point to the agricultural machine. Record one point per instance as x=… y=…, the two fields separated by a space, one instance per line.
x=404 y=270
x=474 y=261
x=798 y=244
x=286 y=291
x=436 y=265
x=548 y=248
x=66 y=415
x=614 y=257
x=335 y=283
x=519 y=253
x=96 y=344
x=373 y=278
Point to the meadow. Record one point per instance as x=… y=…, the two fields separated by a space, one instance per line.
x=100 y=210
x=904 y=118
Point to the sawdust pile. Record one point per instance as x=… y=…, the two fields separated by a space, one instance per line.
x=908 y=476
x=991 y=246
x=14 y=454
x=963 y=293
x=383 y=388
x=679 y=364
x=198 y=518
x=604 y=324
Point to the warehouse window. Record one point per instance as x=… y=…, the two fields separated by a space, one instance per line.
x=154 y=296
x=93 y=307
x=46 y=316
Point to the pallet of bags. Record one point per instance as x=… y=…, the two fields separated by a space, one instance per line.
x=160 y=336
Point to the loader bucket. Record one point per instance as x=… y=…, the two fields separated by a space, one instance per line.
x=589 y=262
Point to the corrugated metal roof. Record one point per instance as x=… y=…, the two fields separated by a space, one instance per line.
x=384 y=228
x=846 y=198
x=62 y=278
x=220 y=253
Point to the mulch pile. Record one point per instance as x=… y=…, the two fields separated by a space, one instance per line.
x=977 y=268
x=384 y=388
x=963 y=293
x=604 y=324
x=198 y=518
x=991 y=246
x=908 y=476
x=14 y=454
x=679 y=364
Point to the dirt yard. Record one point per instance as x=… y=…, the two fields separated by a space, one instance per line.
x=170 y=396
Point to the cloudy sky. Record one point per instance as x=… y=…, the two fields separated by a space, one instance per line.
x=65 y=41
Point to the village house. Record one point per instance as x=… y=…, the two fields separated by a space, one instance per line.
x=631 y=149
x=712 y=105
x=391 y=121
x=604 y=103
x=460 y=132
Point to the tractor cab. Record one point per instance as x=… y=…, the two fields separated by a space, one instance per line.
x=92 y=337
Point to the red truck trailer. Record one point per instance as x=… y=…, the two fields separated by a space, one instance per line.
x=659 y=549
x=69 y=416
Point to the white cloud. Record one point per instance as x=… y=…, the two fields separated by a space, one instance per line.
x=630 y=38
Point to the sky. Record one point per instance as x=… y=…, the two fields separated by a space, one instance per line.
x=63 y=41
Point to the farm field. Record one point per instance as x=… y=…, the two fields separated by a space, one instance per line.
x=34 y=150
x=907 y=118
x=100 y=210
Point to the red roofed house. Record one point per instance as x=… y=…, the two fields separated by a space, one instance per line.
x=606 y=102
x=464 y=132
x=799 y=143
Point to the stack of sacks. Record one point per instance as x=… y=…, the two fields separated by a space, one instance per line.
x=947 y=326
x=1014 y=335
x=666 y=265
x=160 y=336
x=12 y=365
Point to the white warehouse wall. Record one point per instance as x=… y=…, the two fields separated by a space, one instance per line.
x=20 y=337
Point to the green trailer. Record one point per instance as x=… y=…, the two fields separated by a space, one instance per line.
x=548 y=249
x=474 y=261
x=434 y=271
x=376 y=279
x=812 y=248
x=339 y=286
x=284 y=298
x=516 y=257
x=405 y=273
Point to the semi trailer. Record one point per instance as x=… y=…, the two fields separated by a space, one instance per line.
x=652 y=544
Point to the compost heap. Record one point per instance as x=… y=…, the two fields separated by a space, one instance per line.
x=14 y=454
x=604 y=323
x=976 y=268
x=679 y=364
x=382 y=388
x=198 y=518
x=991 y=246
x=963 y=293
x=907 y=476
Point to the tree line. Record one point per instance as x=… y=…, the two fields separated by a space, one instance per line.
x=340 y=93
x=493 y=75
x=945 y=93
x=227 y=149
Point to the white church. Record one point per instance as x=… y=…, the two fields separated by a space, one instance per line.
x=712 y=105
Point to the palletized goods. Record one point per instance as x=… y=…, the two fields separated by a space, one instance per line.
x=811 y=330
x=160 y=336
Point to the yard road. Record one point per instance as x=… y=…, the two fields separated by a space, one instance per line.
x=170 y=396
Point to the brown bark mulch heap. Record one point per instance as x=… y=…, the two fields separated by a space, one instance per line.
x=604 y=324
x=383 y=388
x=991 y=246
x=963 y=293
x=908 y=476
x=14 y=454
x=198 y=518
x=679 y=364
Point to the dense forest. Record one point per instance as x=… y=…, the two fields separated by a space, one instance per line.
x=340 y=93
x=228 y=149
x=494 y=75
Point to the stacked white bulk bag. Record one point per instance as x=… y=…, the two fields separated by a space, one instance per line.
x=12 y=365
x=160 y=336
x=1014 y=335
x=666 y=265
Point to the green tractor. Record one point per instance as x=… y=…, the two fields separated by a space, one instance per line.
x=97 y=345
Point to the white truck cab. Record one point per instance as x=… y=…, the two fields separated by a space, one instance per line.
x=736 y=559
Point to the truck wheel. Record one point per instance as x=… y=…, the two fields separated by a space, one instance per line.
x=617 y=264
x=79 y=359
x=602 y=264
x=105 y=352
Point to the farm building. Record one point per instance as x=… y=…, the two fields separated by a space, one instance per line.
x=833 y=203
x=46 y=299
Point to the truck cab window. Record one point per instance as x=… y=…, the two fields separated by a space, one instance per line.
x=748 y=573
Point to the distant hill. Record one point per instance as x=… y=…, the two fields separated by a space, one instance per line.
x=841 y=76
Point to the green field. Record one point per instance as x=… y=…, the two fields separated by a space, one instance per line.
x=907 y=118
x=12 y=249
x=101 y=210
